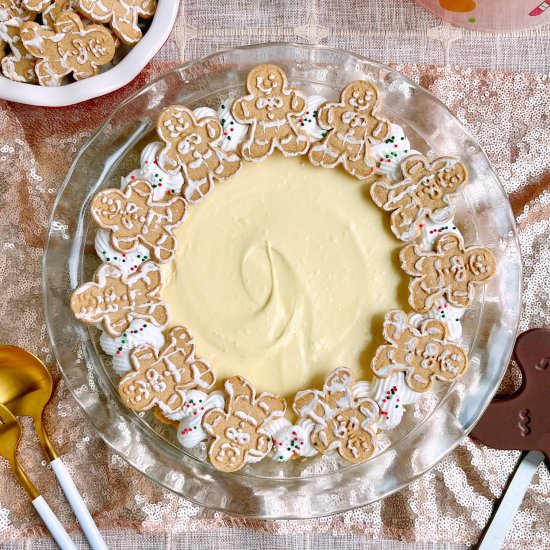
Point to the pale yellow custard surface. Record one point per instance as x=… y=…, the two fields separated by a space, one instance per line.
x=284 y=273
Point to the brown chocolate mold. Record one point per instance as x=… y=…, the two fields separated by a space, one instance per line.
x=522 y=420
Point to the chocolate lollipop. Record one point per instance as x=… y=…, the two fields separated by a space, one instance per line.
x=520 y=421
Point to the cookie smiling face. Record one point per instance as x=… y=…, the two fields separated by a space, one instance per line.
x=268 y=87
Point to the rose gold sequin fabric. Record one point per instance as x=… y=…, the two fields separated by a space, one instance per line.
x=508 y=113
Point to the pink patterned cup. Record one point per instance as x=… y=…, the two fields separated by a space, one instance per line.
x=491 y=15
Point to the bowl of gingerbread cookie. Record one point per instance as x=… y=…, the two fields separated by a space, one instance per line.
x=55 y=53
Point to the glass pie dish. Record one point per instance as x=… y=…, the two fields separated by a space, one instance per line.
x=323 y=485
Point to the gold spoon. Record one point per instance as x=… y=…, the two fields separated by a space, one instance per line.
x=26 y=386
x=10 y=434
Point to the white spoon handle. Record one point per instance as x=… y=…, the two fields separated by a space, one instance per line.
x=78 y=505
x=52 y=523
x=510 y=502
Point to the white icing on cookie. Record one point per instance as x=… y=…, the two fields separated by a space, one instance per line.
x=389 y=154
x=391 y=394
x=127 y=262
x=234 y=133
x=308 y=121
x=139 y=332
x=290 y=440
x=197 y=403
x=163 y=183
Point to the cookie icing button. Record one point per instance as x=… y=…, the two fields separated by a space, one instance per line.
x=164 y=184
x=138 y=333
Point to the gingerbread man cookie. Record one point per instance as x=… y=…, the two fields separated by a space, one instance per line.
x=193 y=146
x=270 y=110
x=133 y=216
x=425 y=191
x=520 y=421
x=114 y=299
x=164 y=377
x=71 y=48
x=239 y=432
x=451 y=271
x=353 y=125
x=424 y=354
x=19 y=64
x=342 y=420
x=122 y=15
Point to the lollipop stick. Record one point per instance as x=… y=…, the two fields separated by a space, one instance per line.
x=510 y=502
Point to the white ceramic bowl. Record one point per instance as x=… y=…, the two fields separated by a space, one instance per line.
x=106 y=82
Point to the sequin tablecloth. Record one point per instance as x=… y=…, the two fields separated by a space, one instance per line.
x=503 y=99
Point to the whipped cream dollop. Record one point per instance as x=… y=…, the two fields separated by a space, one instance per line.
x=128 y=262
x=233 y=133
x=451 y=316
x=431 y=231
x=290 y=440
x=392 y=394
x=163 y=183
x=389 y=154
x=139 y=332
x=197 y=404
x=308 y=121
